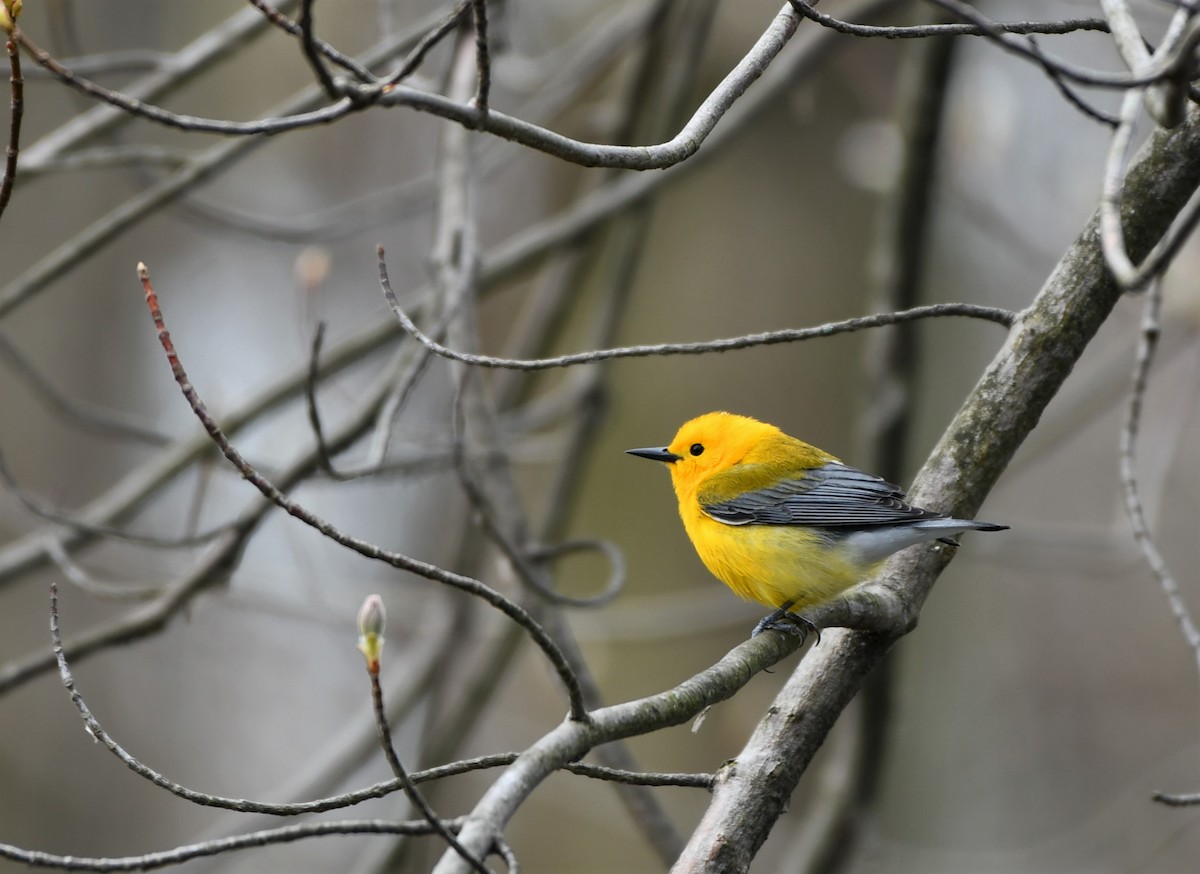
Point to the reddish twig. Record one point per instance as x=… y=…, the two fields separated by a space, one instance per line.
x=364 y=548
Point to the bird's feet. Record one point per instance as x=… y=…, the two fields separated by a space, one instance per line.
x=785 y=622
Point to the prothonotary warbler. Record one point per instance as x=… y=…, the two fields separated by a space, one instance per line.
x=783 y=523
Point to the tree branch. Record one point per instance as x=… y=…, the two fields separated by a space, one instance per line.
x=996 y=417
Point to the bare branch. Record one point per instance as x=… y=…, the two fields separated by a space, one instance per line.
x=1156 y=72
x=308 y=41
x=82 y=580
x=746 y=341
x=16 y=111
x=318 y=48
x=116 y=532
x=572 y=739
x=434 y=35
x=923 y=31
x=1130 y=43
x=651 y=157
x=362 y=547
x=342 y=106
x=1065 y=89
x=1112 y=230
x=1002 y=409
x=266 y=838
x=500 y=264
x=241 y=805
x=483 y=56
x=98 y=420
x=410 y=790
x=1147 y=345
x=198 y=56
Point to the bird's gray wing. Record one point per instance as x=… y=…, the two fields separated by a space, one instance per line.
x=831 y=496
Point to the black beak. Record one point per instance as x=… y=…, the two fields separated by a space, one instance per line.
x=655 y=454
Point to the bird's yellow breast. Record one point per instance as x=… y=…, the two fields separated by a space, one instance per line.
x=772 y=564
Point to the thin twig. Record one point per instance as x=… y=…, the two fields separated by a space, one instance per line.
x=1172 y=800
x=410 y=789
x=570 y=740
x=360 y=72
x=1148 y=343
x=1112 y=232
x=107 y=157
x=216 y=561
x=308 y=41
x=378 y=790
x=746 y=341
x=640 y=778
x=435 y=35
x=483 y=58
x=116 y=532
x=1131 y=276
x=1012 y=43
x=408 y=374
x=1161 y=101
x=344 y=104
x=16 y=112
x=1068 y=93
x=310 y=399
x=97 y=732
x=521 y=558
x=124 y=591
x=501 y=263
x=95 y=419
x=140 y=61
x=923 y=31
x=362 y=547
x=197 y=57
x=219 y=846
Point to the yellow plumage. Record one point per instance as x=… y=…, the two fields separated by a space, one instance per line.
x=782 y=522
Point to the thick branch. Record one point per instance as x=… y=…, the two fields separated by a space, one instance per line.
x=1005 y=406
x=573 y=738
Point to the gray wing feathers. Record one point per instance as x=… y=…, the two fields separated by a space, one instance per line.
x=831 y=496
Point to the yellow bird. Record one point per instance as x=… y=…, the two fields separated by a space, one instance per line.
x=784 y=523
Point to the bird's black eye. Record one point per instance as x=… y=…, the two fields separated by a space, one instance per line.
x=697 y=449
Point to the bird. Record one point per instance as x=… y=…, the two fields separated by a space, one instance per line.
x=784 y=523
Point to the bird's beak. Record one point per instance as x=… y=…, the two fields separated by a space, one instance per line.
x=658 y=453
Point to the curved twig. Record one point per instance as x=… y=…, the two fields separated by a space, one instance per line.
x=265 y=838
x=281 y=21
x=1002 y=317
x=923 y=31
x=362 y=547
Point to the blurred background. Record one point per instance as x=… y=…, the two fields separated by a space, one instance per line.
x=1048 y=690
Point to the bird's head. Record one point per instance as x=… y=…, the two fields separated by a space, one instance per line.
x=710 y=444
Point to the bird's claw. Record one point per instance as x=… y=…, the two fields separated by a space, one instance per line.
x=786 y=623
